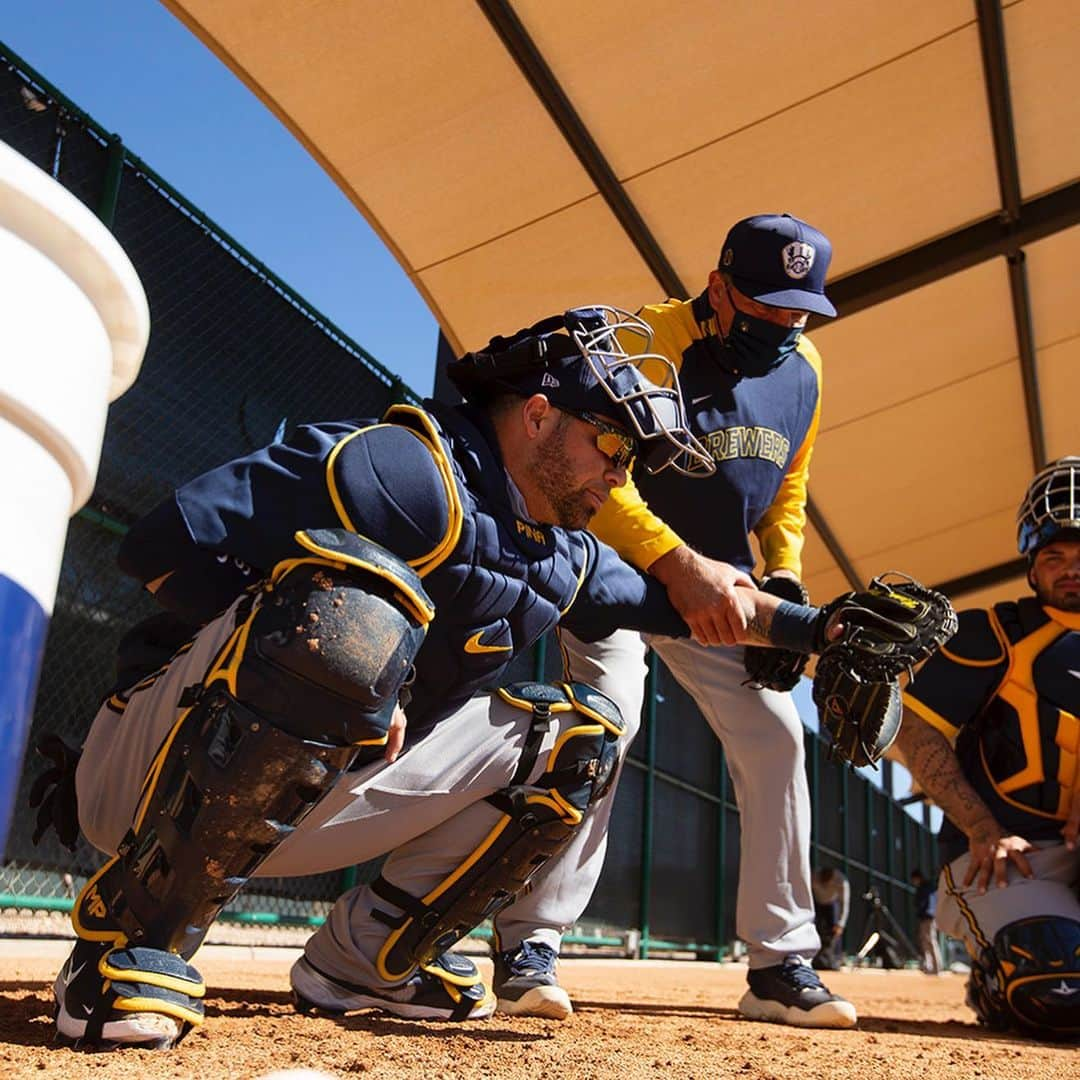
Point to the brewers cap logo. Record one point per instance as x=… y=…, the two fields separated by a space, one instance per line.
x=798 y=258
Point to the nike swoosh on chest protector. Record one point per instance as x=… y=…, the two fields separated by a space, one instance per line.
x=473 y=645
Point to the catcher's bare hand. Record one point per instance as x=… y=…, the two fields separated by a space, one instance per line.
x=703 y=592
x=395 y=738
x=990 y=854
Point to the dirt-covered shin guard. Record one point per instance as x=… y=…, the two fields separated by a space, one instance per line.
x=309 y=676
x=538 y=820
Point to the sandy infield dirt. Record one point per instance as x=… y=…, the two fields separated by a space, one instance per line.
x=633 y=1019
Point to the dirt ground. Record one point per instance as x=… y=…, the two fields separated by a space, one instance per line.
x=633 y=1019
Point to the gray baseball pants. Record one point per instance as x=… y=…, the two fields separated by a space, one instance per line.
x=962 y=913
x=427 y=809
x=762 y=737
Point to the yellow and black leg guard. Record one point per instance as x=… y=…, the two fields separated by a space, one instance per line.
x=538 y=820
x=308 y=678
x=1029 y=978
x=112 y=997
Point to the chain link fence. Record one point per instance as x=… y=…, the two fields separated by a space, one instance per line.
x=234 y=357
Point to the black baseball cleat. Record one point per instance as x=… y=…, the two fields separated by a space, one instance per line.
x=525 y=982
x=792 y=993
x=109 y=998
x=449 y=988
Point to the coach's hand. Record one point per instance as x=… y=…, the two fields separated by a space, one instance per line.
x=990 y=854
x=703 y=592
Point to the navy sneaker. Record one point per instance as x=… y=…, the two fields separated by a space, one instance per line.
x=526 y=985
x=792 y=993
x=449 y=988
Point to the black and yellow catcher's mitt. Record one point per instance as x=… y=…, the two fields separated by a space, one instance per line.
x=776 y=669
x=886 y=630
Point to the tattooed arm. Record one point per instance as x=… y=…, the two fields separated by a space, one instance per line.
x=936 y=767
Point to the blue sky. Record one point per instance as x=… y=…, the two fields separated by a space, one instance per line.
x=137 y=71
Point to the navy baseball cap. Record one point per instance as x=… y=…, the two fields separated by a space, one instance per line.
x=567 y=381
x=779 y=260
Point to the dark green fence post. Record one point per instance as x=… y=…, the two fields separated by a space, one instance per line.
x=721 y=856
x=868 y=813
x=845 y=843
x=540 y=660
x=890 y=810
x=647 y=801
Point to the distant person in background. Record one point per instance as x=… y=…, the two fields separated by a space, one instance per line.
x=832 y=902
x=926 y=930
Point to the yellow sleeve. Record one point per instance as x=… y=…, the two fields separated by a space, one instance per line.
x=780 y=531
x=626 y=523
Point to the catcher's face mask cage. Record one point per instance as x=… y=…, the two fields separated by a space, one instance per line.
x=1051 y=505
x=655 y=413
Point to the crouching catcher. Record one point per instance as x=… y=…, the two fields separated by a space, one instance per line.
x=304 y=675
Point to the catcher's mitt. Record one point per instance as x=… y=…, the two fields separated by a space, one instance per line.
x=886 y=630
x=776 y=669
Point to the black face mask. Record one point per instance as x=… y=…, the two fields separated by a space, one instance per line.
x=755 y=346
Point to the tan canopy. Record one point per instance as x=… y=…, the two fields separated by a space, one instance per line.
x=521 y=159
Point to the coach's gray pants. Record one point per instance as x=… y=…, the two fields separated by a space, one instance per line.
x=762 y=737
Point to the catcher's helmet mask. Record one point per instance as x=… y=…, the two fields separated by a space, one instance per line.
x=656 y=414
x=1050 y=508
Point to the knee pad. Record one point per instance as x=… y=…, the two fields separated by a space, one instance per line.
x=538 y=820
x=234 y=777
x=1029 y=978
x=325 y=648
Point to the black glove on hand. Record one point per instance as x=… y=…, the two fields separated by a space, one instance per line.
x=54 y=792
x=776 y=669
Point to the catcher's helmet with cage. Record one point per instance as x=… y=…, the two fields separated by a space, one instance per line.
x=1051 y=507
x=612 y=343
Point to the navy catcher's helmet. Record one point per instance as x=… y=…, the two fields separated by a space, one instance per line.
x=580 y=361
x=1051 y=506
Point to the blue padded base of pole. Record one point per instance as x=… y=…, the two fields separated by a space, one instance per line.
x=23 y=624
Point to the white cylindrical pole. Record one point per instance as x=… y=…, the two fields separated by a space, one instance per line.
x=73 y=329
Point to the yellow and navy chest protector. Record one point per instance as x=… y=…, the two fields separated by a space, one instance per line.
x=750 y=426
x=428 y=485
x=1007 y=686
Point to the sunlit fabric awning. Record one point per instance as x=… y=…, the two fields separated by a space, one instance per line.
x=521 y=159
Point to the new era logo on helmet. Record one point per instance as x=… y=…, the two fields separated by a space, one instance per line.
x=798 y=258
x=549 y=380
